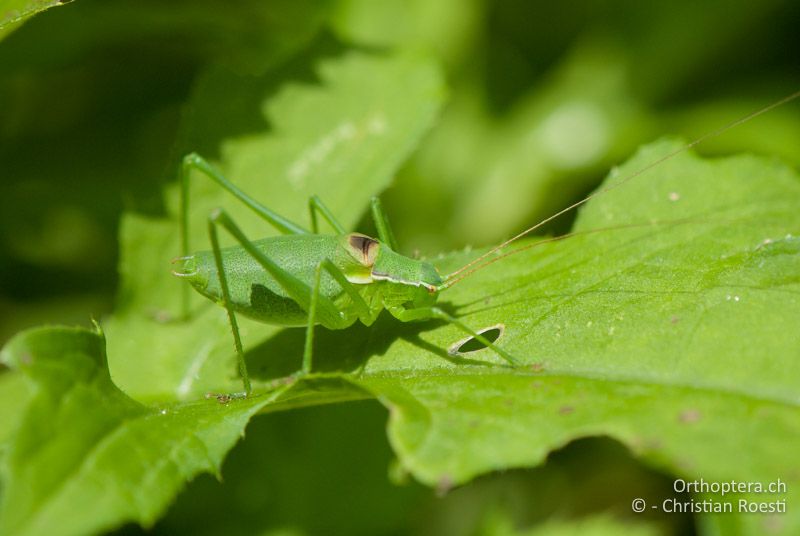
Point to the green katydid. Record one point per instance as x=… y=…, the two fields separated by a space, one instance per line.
x=307 y=278
x=304 y=278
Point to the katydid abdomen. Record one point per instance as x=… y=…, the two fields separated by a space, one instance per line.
x=367 y=269
x=254 y=291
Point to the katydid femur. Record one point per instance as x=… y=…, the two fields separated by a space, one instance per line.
x=303 y=278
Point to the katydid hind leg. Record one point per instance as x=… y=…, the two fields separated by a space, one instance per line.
x=193 y=161
x=422 y=313
x=226 y=298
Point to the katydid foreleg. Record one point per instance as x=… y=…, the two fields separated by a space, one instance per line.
x=358 y=302
x=379 y=217
x=382 y=223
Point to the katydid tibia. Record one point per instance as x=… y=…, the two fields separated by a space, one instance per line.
x=304 y=278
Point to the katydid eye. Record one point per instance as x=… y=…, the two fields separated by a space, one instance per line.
x=363 y=248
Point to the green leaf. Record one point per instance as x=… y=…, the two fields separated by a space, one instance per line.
x=445 y=27
x=14 y=393
x=337 y=126
x=675 y=338
x=289 y=472
x=247 y=35
x=14 y=12
x=81 y=441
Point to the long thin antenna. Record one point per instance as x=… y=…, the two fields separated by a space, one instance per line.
x=686 y=147
x=452 y=281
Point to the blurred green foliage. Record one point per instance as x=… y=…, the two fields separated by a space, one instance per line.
x=544 y=98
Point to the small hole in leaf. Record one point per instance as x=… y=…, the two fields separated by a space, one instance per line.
x=471 y=344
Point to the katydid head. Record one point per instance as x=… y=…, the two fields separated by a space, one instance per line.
x=396 y=268
x=384 y=264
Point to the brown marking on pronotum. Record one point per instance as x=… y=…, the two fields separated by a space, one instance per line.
x=366 y=246
x=537 y=367
x=566 y=410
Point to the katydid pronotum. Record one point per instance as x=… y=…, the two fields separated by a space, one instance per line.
x=304 y=278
